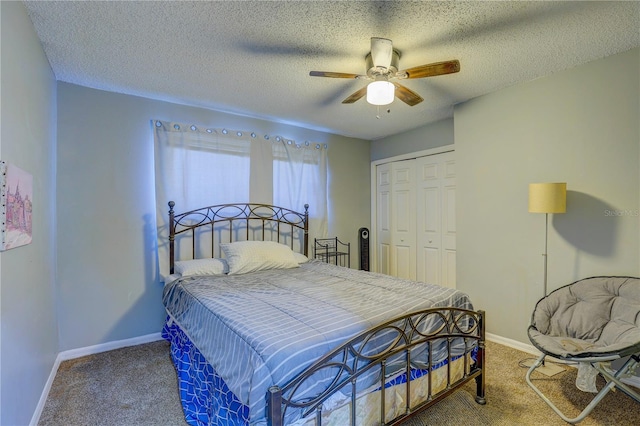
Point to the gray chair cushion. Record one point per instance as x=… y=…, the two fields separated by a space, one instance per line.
x=596 y=316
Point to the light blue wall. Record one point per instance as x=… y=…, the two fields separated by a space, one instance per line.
x=580 y=126
x=106 y=206
x=432 y=135
x=29 y=335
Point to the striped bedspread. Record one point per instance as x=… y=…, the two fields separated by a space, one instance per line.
x=263 y=328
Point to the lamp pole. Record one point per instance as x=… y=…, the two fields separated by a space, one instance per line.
x=544 y=255
x=547 y=198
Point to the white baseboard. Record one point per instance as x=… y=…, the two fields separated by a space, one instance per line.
x=530 y=349
x=77 y=353
x=45 y=393
x=103 y=347
x=513 y=344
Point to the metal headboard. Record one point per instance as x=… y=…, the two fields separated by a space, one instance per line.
x=245 y=221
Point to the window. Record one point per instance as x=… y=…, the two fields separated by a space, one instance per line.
x=198 y=167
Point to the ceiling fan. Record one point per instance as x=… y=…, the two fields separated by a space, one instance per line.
x=382 y=70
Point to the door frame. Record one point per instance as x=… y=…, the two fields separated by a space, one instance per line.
x=373 y=234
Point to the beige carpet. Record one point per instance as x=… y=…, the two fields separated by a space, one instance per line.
x=137 y=386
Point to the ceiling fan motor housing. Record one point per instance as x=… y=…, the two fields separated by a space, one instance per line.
x=375 y=73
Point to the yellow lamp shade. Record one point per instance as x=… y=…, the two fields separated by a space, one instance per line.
x=547 y=197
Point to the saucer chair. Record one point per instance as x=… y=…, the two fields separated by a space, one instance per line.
x=590 y=322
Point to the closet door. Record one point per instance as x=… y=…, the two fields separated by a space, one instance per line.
x=429 y=219
x=416 y=219
x=449 y=221
x=383 y=218
x=396 y=219
x=436 y=220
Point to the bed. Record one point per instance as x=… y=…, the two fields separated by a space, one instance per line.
x=262 y=335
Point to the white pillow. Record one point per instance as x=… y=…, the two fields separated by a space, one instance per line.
x=250 y=256
x=300 y=258
x=201 y=267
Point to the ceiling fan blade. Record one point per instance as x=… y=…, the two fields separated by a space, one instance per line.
x=355 y=96
x=332 y=74
x=381 y=52
x=431 y=70
x=407 y=95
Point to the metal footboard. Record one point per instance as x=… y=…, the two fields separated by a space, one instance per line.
x=380 y=347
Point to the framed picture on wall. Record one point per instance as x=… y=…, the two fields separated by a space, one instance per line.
x=16 y=204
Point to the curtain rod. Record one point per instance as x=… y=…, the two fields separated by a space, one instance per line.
x=239 y=133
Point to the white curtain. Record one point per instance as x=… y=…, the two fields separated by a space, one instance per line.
x=197 y=166
x=299 y=178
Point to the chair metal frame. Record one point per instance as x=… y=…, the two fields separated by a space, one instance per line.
x=613 y=381
x=613 y=378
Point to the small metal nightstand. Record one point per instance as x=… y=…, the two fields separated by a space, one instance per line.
x=332 y=250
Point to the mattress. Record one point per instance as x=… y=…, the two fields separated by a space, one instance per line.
x=263 y=328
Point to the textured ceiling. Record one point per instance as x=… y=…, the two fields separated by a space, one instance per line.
x=253 y=57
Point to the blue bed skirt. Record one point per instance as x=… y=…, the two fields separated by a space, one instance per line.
x=206 y=399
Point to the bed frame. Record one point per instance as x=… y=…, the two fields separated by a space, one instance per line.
x=354 y=358
x=229 y=220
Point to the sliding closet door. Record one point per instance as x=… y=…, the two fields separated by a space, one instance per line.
x=396 y=219
x=449 y=221
x=429 y=218
x=383 y=218
x=416 y=219
x=436 y=220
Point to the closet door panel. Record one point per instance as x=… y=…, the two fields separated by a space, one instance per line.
x=383 y=218
x=428 y=236
x=449 y=218
x=449 y=269
x=404 y=267
x=449 y=222
x=428 y=219
x=403 y=220
x=384 y=265
x=429 y=269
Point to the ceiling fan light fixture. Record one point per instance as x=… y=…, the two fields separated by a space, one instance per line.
x=380 y=93
x=382 y=64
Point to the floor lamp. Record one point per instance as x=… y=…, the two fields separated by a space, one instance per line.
x=547 y=198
